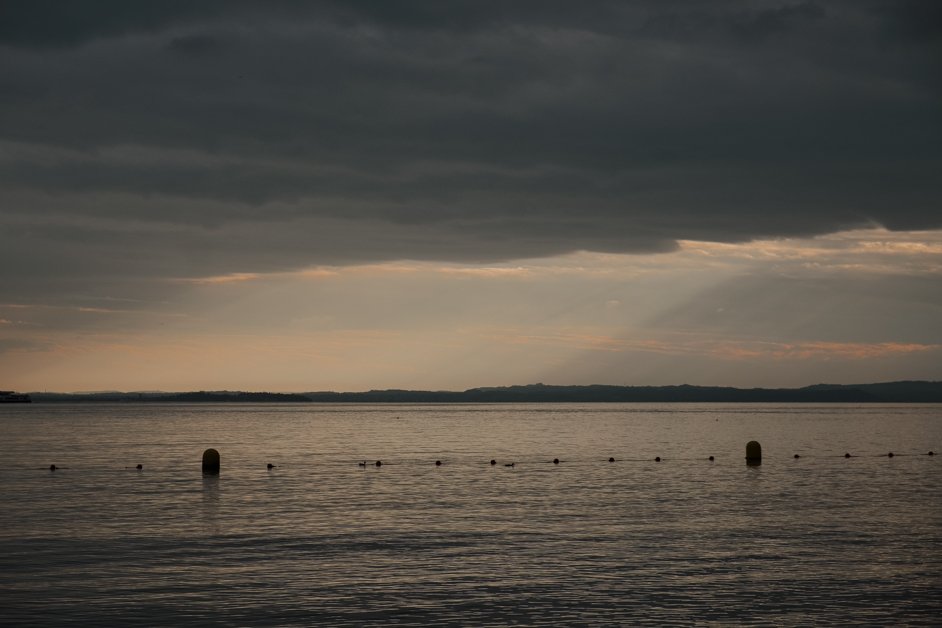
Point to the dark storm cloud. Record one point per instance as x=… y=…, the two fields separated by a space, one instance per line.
x=191 y=138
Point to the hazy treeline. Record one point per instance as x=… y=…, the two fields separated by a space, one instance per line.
x=890 y=392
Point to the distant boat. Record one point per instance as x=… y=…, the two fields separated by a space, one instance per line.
x=8 y=396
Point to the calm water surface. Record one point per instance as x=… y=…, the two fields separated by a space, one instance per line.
x=319 y=540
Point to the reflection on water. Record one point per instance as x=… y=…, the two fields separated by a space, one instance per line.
x=210 y=509
x=318 y=539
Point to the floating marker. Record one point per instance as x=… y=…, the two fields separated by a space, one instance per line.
x=270 y=466
x=211 y=461
x=611 y=460
x=438 y=463
x=52 y=467
x=493 y=462
x=797 y=456
x=657 y=459
x=753 y=453
x=711 y=458
x=847 y=455
x=139 y=467
x=555 y=460
x=931 y=453
x=889 y=455
x=379 y=463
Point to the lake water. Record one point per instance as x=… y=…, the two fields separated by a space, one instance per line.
x=821 y=539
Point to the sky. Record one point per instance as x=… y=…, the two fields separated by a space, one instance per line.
x=306 y=196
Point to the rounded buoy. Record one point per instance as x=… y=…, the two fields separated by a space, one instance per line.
x=753 y=452
x=139 y=467
x=52 y=467
x=847 y=455
x=555 y=460
x=438 y=463
x=657 y=459
x=611 y=460
x=711 y=458
x=797 y=456
x=931 y=453
x=379 y=463
x=493 y=462
x=211 y=461
x=270 y=466
x=889 y=455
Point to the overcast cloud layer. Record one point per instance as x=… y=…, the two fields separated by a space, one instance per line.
x=179 y=139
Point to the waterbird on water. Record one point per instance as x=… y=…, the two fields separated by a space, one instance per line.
x=361 y=464
x=509 y=464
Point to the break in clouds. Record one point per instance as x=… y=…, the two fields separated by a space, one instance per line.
x=175 y=139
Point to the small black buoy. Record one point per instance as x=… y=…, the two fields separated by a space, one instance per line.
x=379 y=463
x=657 y=459
x=753 y=453
x=270 y=466
x=847 y=455
x=139 y=467
x=711 y=458
x=52 y=467
x=931 y=453
x=493 y=462
x=555 y=460
x=889 y=455
x=797 y=456
x=211 y=461
x=438 y=463
x=611 y=460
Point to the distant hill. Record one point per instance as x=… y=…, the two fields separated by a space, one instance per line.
x=896 y=392
x=889 y=392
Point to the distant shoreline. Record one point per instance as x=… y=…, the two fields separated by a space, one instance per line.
x=888 y=392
